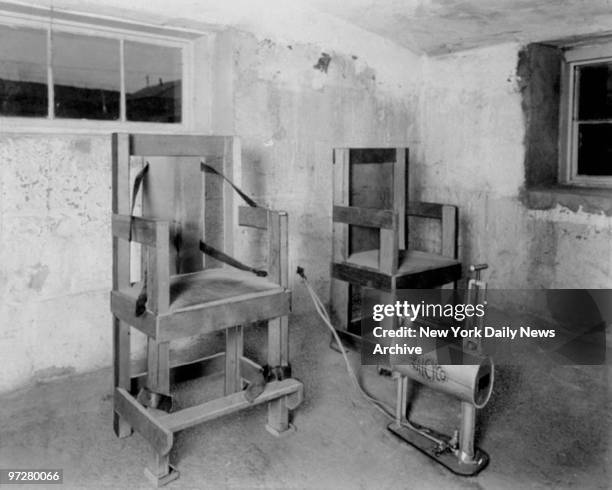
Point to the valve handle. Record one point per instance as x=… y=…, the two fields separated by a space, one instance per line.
x=478 y=267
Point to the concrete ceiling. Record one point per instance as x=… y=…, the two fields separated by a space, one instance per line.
x=422 y=26
x=439 y=26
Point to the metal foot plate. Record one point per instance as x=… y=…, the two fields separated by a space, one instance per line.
x=445 y=458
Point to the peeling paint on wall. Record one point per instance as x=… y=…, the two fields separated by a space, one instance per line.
x=323 y=63
x=290 y=117
x=473 y=156
x=55 y=255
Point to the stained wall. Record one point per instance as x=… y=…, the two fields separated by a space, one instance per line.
x=475 y=131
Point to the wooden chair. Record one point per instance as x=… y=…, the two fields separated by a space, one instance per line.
x=188 y=293
x=370 y=228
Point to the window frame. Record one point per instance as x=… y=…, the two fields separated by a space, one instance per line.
x=108 y=28
x=575 y=56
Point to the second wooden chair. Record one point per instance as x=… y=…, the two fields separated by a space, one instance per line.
x=370 y=233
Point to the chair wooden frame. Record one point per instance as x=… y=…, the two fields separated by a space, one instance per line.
x=387 y=273
x=162 y=323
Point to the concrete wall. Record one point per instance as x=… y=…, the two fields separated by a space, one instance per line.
x=55 y=256
x=473 y=155
x=290 y=115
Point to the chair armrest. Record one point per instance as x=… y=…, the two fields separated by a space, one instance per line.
x=276 y=224
x=447 y=214
x=143 y=230
x=155 y=235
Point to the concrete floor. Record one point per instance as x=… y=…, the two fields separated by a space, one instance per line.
x=547 y=429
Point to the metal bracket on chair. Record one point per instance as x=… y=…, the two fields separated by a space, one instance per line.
x=267 y=374
x=276 y=373
x=151 y=399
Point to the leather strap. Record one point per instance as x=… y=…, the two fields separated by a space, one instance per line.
x=141 y=301
x=229 y=260
x=216 y=253
x=137 y=184
x=204 y=167
x=266 y=375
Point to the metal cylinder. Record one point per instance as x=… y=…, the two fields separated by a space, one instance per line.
x=466 y=432
x=471 y=382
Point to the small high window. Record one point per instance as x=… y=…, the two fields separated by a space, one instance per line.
x=86 y=74
x=586 y=150
x=153 y=82
x=69 y=71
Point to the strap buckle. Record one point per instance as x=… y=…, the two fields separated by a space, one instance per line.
x=266 y=375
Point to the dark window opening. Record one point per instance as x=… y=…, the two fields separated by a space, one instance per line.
x=595 y=91
x=594 y=118
x=595 y=149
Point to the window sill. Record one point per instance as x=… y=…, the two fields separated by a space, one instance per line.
x=591 y=199
x=86 y=126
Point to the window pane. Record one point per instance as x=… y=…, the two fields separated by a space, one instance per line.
x=86 y=77
x=595 y=94
x=595 y=149
x=153 y=76
x=23 y=72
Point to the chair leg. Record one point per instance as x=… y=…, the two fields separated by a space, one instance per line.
x=278 y=417
x=233 y=354
x=389 y=322
x=158 y=368
x=278 y=355
x=159 y=471
x=121 y=367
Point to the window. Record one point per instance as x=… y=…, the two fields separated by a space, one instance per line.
x=86 y=77
x=55 y=70
x=153 y=83
x=23 y=72
x=555 y=174
x=586 y=115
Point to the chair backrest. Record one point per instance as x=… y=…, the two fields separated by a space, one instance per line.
x=175 y=189
x=370 y=197
x=371 y=209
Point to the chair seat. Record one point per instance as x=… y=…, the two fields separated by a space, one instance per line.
x=416 y=269
x=410 y=261
x=205 y=301
x=212 y=285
